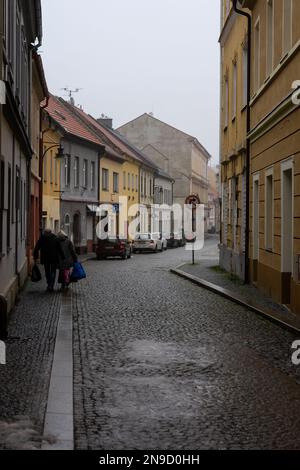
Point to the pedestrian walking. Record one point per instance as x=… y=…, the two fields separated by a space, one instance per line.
x=50 y=250
x=66 y=261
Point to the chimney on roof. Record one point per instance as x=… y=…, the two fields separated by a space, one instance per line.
x=105 y=121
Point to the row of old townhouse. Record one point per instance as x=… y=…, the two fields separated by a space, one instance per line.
x=180 y=155
x=58 y=163
x=260 y=145
x=23 y=87
x=95 y=165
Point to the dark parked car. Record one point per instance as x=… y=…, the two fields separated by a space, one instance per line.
x=176 y=240
x=114 y=247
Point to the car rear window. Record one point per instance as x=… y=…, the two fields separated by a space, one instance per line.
x=143 y=236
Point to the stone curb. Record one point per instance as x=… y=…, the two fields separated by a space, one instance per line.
x=59 y=417
x=227 y=294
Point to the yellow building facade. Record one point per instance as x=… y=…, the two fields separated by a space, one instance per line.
x=233 y=135
x=272 y=235
x=51 y=173
x=119 y=178
x=275 y=149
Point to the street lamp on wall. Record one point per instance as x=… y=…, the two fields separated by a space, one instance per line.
x=60 y=153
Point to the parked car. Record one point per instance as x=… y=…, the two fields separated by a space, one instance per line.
x=148 y=242
x=176 y=240
x=114 y=247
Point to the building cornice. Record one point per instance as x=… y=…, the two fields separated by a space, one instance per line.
x=285 y=108
x=227 y=27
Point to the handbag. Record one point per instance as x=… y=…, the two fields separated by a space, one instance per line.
x=67 y=276
x=78 y=272
x=36 y=273
x=64 y=276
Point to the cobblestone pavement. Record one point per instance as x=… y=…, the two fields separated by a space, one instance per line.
x=25 y=378
x=205 y=268
x=161 y=363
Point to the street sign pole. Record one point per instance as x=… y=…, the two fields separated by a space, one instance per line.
x=193 y=201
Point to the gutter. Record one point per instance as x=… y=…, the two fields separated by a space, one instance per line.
x=247 y=225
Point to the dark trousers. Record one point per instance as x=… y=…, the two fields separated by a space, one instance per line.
x=50 y=272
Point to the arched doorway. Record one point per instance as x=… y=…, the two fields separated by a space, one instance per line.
x=77 y=230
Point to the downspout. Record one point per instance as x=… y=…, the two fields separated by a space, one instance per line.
x=41 y=165
x=247 y=225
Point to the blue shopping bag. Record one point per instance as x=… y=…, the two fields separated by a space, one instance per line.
x=78 y=272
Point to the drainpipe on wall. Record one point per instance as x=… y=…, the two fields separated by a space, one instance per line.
x=249 y=19
x=41 y=166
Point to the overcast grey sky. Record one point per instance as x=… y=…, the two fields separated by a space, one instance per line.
x=137 y=56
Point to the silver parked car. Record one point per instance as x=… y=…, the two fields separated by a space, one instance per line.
x=148 y=242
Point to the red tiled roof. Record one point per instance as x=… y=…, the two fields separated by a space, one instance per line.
x=107 y=133
x=68 y=121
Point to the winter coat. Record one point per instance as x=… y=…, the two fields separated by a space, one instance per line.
x=69 y=256
x=50 y=249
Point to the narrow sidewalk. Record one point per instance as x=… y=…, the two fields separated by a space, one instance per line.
x=207 y=274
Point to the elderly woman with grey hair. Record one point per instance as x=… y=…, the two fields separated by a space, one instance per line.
x=66 y=261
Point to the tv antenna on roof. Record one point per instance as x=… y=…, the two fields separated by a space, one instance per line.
x=70 y=94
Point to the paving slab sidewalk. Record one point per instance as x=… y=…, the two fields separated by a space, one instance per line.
x=207 y=274
x=24 y=380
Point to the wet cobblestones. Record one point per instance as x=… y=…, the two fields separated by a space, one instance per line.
x=161 y=363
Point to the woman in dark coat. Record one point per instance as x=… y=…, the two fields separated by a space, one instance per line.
x=50 y=253
x=66 y=261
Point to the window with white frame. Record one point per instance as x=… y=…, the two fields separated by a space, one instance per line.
x=45 y=167
x=105 y=181
x=287 y=25
x=116 y=182
x=257 y=55
x=269 y=210
x=226 y=101
x=67 y=170
x=76 y=172
x=51 y=167
x=56 y=169
x=270 y=36
x=85 y=173
x=93 y=175
x=234 y=89
x=67 y=225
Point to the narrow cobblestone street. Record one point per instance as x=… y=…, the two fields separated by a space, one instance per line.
x=161 y=363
